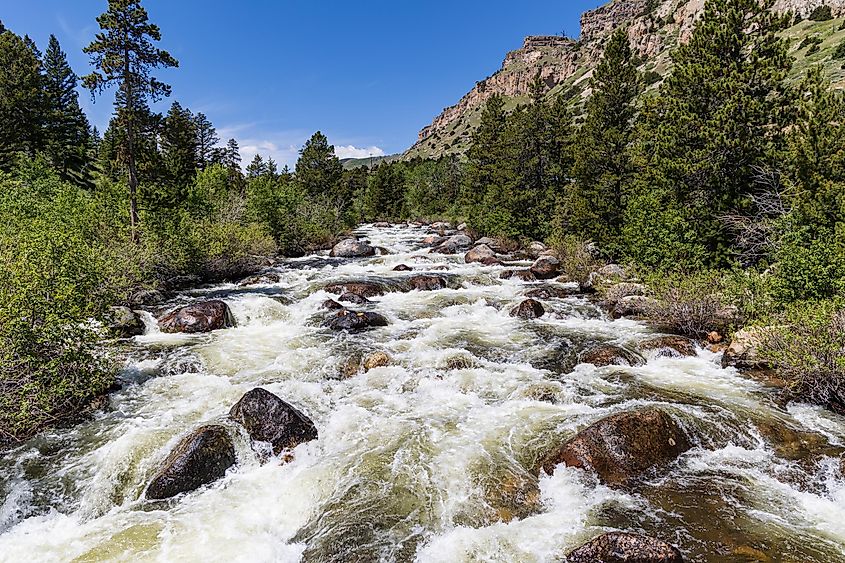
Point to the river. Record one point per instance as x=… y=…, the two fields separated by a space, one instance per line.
x=428 y=459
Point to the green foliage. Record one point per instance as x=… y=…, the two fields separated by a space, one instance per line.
x=318 y=170
x=577 y=261
x=810 y=264
x=20 y=98
x=821 y=13
x=602 y=169
x=383 y=198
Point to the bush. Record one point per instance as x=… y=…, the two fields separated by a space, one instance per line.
x=809 y=266
x=577 y=260
x=808 y=350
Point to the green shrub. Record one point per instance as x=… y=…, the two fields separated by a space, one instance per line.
x=809 y=265
x=821 y=14
x=577 y=262
x=807 y=347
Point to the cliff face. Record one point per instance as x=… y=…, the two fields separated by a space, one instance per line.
x=654 y=28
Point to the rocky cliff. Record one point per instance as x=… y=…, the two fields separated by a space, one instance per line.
x=654 y=28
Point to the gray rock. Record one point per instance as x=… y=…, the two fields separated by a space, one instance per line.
x=352 y=248
x=479 y=253
x=199 y=317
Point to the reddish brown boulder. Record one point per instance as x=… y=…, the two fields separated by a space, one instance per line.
x=425 y=282
x=528 y=309
x=622 y=547
x=267 y=418
x=351 y=248
x=623 y=446
x=199 y=317
x=364 y=289
x=545 y=267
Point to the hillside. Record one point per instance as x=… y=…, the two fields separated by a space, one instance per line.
x=655 y=27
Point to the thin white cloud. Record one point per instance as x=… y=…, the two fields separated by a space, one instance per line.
x=351 y=151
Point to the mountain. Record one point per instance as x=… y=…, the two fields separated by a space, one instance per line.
x=655 y=27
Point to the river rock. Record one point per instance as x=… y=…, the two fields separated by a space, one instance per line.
x=669 y=346
x=621 y=290
x=479 y=253
x=549 y=292
x=462 y=227
x=381 y=225
x=402 y=268
x=454 y=244
x=524 y=275
x=201 y=457
x=352 y=321
x=376 y=360
x=545 y=267
x=623 y=446
x=146 y=297
x=528 y=309
x=267 y=418
x=441 y=225
x=267 y=278
x=331 y=305
x=198 y=317
x=352 y=248
x=491 y=243
x=536 y=248
x=434 y=240
x=744 y=350
x=426 y=282
x=609 y=355
x=123 y=322
x=622 y=547
x=350 y=297
x=364 y=289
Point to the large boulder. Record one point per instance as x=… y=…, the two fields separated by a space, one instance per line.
x=454 y=244
x=201 y=457
x=623 y=446
x=427 y=282
x=479 y=253
x=123 y=322
x=434 y=240
x=267 y=418
x=536 y=248
x=669 y=346
x=622 y=547
x=352 y=248
x=744 y=350
x=491 y=243
x=609 y=355
x=352 y=321
x=545 y=267
x=198 y=317
x=528 y=309
x=364 y=289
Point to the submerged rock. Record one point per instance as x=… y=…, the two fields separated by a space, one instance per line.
x=352 y=321
x=267 y=418
x=528 y=309
x=198 y=317
x=479 y=253
x=622 y=547
x=201 y=457
x=671 y=346
x=376 y=360
x=364 y=289
x=425 y=282
x=352 y=248
x=609 y=355
x=545 y=267
x=623 y=446
x=123 y=322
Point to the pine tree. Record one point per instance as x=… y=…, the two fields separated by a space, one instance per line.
x=232 y=163
x=257 y=168
x=21 y=100
x=602 y=167
x=318 y=170
x=717 y=120
x=66 y=127
x=179 y=149
x=384 y=197
x=124 y=55
x=207 y=140
x=485 y=155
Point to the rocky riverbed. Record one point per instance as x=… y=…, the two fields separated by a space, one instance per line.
x=400 y=400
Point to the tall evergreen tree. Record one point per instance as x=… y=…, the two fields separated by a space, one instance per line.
x=602 y=167
x=124 y=55
x=232 y=162
x=717 y=120
x=486 y=154
x=257 y=167
x=318 y=170
x=384 y=197
x=207 y=140
x=21 y=101
x=66 y=127
x=179 y=148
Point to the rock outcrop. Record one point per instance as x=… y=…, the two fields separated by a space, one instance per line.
x=201 y=457
x=198 y=317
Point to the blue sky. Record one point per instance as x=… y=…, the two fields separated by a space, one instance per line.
x=270 y=73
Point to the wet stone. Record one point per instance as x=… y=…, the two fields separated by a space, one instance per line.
x=427 y=282
x=622 y=547
x=267 y=418
x=528 y=309
x=524 y=275
x=199 y=317
x=364 y=289
x=609 y=355
x=352 y=321
x=354 y=298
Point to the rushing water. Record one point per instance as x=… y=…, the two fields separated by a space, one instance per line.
x=428 y=459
